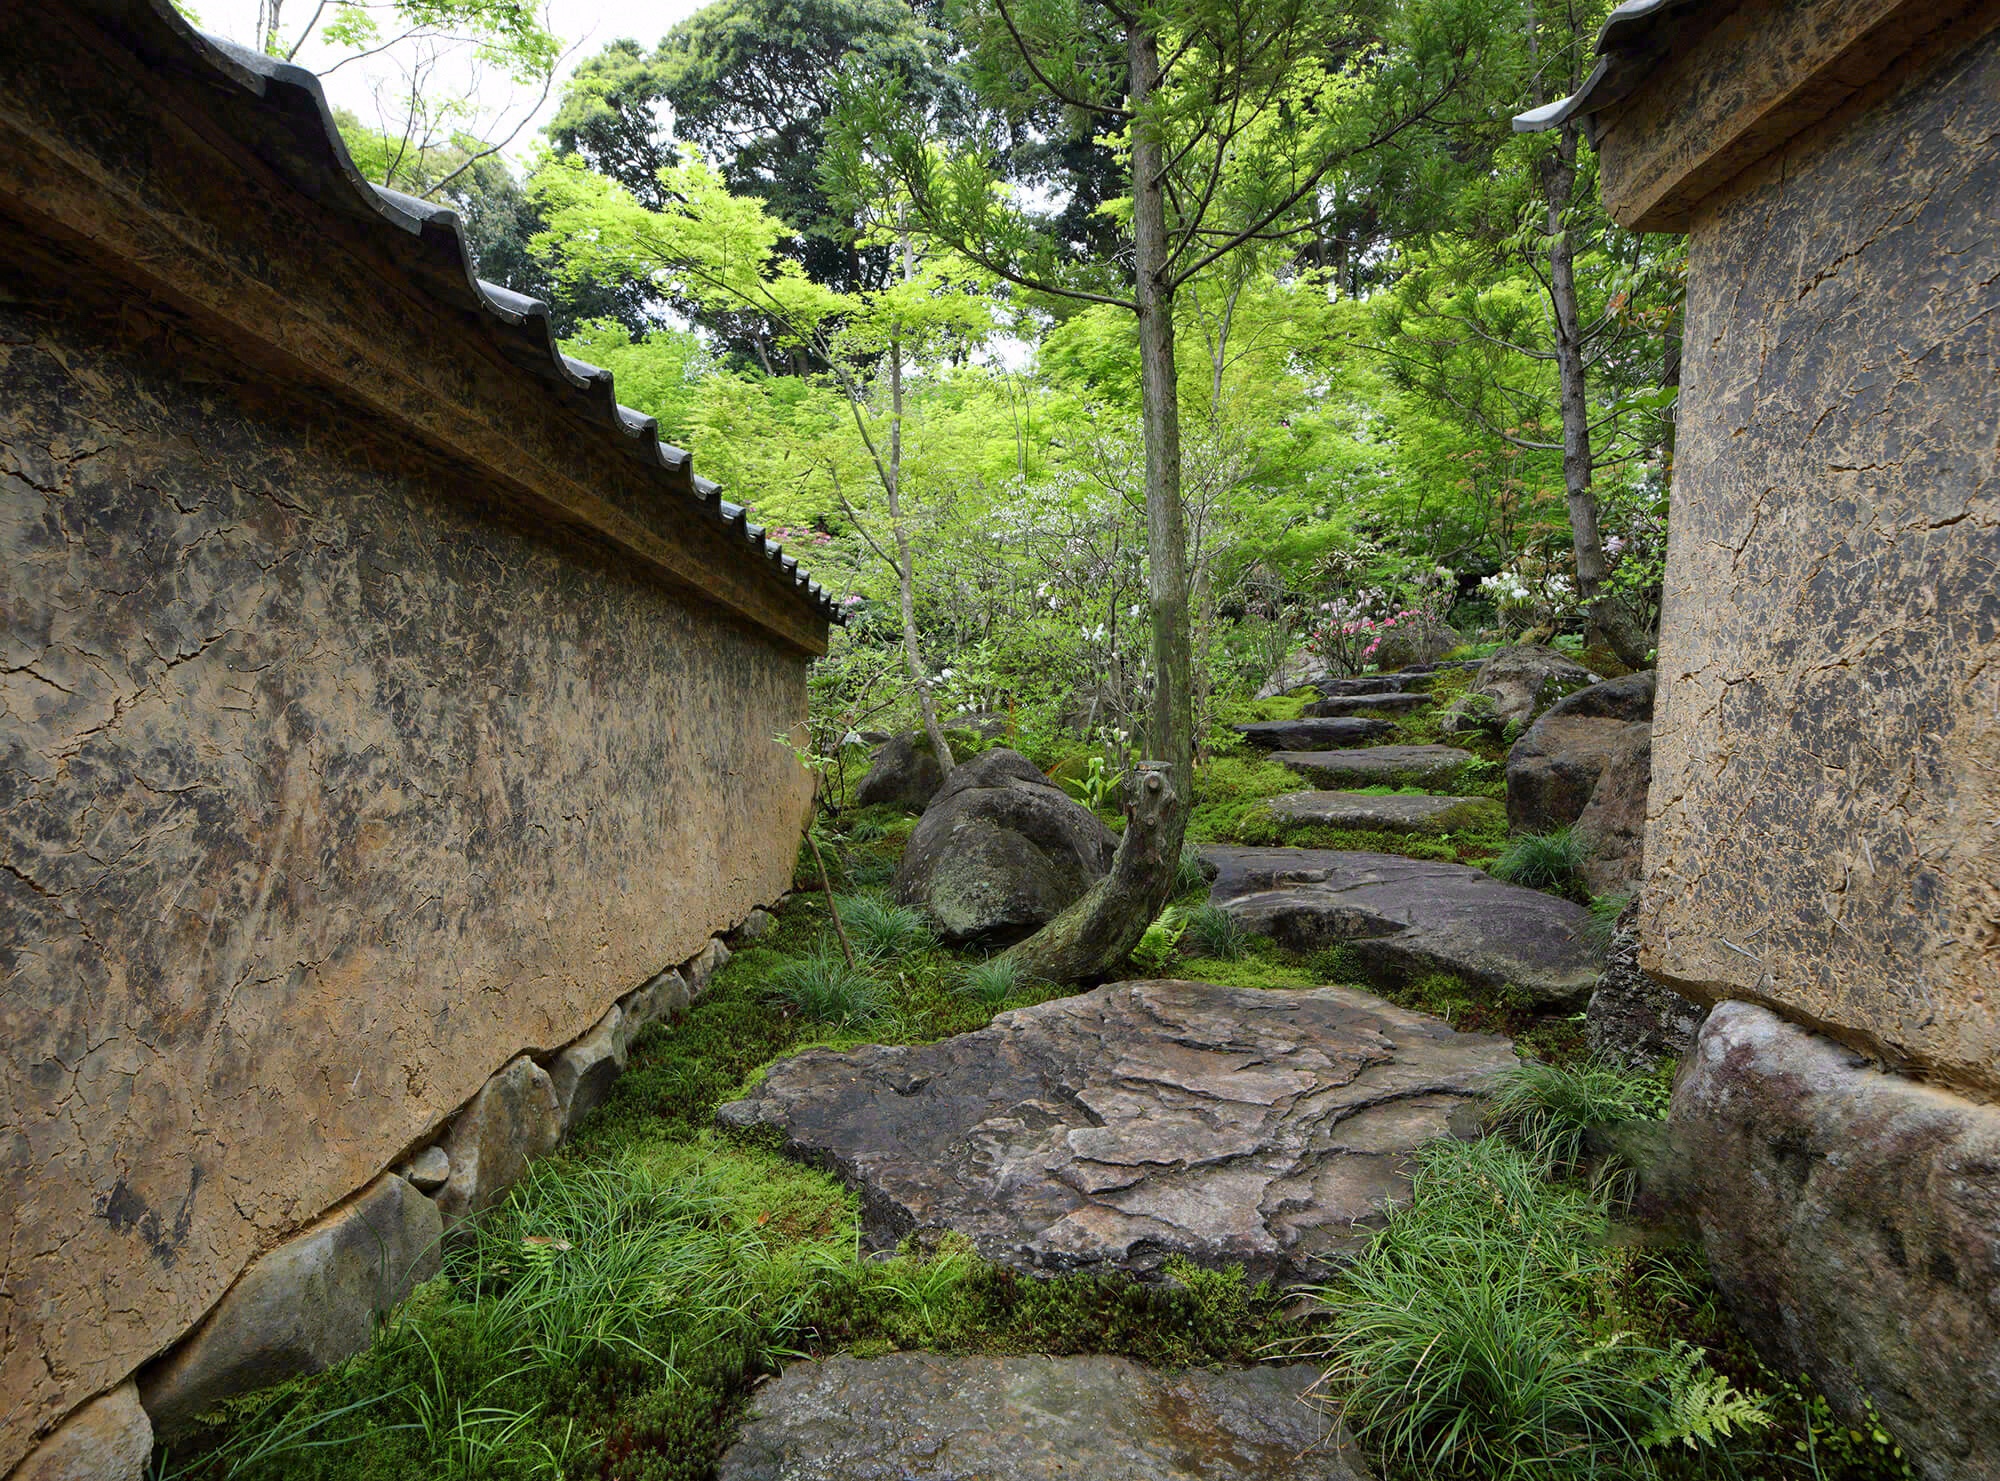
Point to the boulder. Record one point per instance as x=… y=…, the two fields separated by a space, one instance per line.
x=757 y=924
x=515 y=1118
x=1514 y=686
x=1417 y=766
x=1633 y=1023
x=108 y=1439
x=1115 y=1129
x=1851 y=1218
x=1364 y=706
x=1404 y=813
x=1413 y=642
x=979 y=1418
x=905 y=773
x=1311 y=734
x=585 y=1071
x=1402 y=918
x=1588 y=761
x=1298 y=671
x=1000 y=851
x=301 y=1307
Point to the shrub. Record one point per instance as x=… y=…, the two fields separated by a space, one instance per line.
x=1216 y=933
x=1544 y=861
x=881 y=931
x=824 y=988
x=991 y=982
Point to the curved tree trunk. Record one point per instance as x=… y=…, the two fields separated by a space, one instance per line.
x=1092 y=939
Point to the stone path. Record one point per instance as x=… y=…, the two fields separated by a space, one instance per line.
x=1396 y=702
x=1120 y=1127
x=1419 y=765
x=916 y=1414
x=1395 y=813
x=1406 y=917
x=1289 y=735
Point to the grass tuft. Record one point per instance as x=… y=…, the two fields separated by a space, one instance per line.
x=1544 y=861
x=1215 y=932
x=823 y=988
x=884 y=932
x=1550 y=1109
x=991 y=982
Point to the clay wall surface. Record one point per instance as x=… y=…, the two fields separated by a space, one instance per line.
x=328 y=784
x=1825 y=831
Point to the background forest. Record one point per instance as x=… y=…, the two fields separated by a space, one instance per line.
x=875 y=261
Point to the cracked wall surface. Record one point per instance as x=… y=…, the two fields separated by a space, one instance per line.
x=327 y=786
x=1825 y=831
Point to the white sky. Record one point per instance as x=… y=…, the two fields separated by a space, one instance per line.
x=593 y=23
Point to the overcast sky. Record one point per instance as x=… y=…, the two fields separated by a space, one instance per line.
x=591 y=22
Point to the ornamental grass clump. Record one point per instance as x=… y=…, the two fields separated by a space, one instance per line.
x=1216 y=933
x=1544 y=861
x=822 y=987
x=1550 y=1109
x=991 y=982
x=883 y=932
x=1468 y=1340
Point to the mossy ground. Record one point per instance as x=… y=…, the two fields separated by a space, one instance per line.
x=612 y=1317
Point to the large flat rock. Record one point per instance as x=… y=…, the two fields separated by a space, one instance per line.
x=1420 y=765
x=919 y=1414
x=1394 y=813
x=1304 y=735
x=1120 y=1127
x=1405 y=917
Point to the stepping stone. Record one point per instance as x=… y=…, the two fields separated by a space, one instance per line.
x=1397 y=703
x=1395 y=814
x=1418 y=766
x=1361 y=684
x=1405 y=917
x=1308 y=735
x=921 y=1414
x=1114 y=1129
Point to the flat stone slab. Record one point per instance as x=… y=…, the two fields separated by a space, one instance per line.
x=1375 y=764
x=920 y=1414
x=1117 y=1128
x=1405 y=917
x=1367 y=704
x=1304 y=735
x=1404 y=813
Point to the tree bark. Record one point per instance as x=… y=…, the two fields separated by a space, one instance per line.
x=1607 y=614
x=1172 y=719
x=1091 y=940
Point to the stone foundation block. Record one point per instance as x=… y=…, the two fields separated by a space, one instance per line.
x=711 y=959
x=661 y=999
x=584 y=1073
x=514 y=1119
x=1852 y=1219
x=303 y=1306
x=108 y=1439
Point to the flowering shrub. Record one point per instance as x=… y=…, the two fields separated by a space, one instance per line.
x=1347 y=634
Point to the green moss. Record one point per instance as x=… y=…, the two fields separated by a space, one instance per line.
x=1228 y=789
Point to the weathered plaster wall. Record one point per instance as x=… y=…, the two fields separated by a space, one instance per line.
x=327 y=786
x=1826 y=760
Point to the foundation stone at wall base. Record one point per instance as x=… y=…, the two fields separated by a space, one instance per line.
x=108 y=1439
x=303 y=1306
x=513 y=1120
x=1852 y=1220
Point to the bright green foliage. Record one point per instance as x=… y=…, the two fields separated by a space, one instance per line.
x=1156 y=948
x=991 y=982
x=1550 y=1108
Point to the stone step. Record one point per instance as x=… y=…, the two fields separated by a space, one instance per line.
x=1392 y=814
x=1396 y=703
x=1419 y=766
x=1307 y=735
x=1095 y=1418
x=1402 y=918
x=1113 y=1130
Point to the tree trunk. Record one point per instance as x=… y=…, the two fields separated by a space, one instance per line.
x=1091 y=940
x=1172 y=721
x=1608 y=616
x=905 y=571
